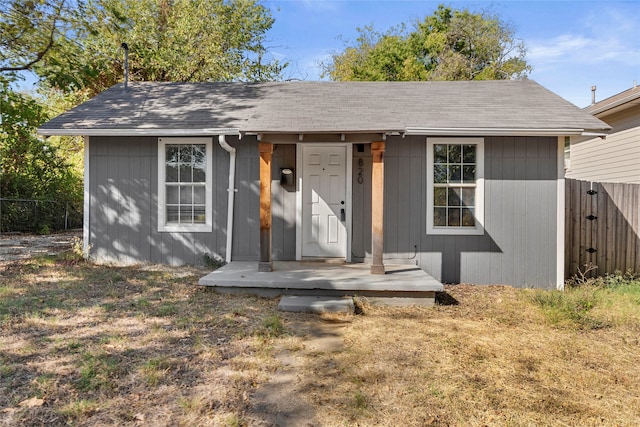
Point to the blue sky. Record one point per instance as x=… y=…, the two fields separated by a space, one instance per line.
x=571 y=45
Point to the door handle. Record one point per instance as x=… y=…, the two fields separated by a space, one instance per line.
x=343 y=215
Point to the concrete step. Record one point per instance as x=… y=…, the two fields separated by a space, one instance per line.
x=315 y=304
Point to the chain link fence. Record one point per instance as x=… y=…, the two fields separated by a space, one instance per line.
x=39 y=216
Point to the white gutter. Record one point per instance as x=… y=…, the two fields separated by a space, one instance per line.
x=86 y=204
x=231 y=193
x=138 y=132
x=499 y=132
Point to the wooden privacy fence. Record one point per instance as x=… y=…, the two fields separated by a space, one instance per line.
x=602 y=227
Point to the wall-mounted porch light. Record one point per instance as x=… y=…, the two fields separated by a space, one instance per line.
x=287 y=177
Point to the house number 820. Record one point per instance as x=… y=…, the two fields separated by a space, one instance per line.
x=360 y=169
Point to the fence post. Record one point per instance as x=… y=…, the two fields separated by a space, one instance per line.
x=66 y=216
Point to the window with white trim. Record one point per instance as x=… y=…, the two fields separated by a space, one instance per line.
x=455 y=186
x=185 y=184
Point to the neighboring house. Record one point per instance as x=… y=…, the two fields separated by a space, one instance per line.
x=617 y=157
x=464 y=179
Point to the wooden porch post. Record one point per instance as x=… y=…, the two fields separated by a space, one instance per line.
x=377 y=207
x=266 y=152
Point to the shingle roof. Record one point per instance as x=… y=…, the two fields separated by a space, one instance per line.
x=319 y=107
x=625 y=99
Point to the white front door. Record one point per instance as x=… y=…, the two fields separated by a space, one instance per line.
x=324 y=210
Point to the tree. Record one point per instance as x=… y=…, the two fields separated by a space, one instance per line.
x=29 y=30
x=31 y=167
x=73 y=46
x=168 y=40
x=448 y=45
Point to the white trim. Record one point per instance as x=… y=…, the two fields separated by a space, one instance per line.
x=349 y=194
x=139 y=132
x=560 y=215
x=299 y=162
x=86 y=225
x=498 y=132
x=349 y=197
x=479 y=208
x=188 y=228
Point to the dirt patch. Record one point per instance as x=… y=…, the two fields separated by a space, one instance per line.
x=278 y=402
x=24 y=246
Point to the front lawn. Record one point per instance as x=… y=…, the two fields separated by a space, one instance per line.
x=82 y=344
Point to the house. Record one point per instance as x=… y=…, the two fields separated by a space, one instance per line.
x=616 y=158
x=463 y=179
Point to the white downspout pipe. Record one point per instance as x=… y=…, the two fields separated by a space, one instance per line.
x=231 y=193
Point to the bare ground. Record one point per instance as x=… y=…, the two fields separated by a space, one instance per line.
x=16 y=246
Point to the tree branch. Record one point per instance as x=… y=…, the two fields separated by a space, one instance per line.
x=50 y=42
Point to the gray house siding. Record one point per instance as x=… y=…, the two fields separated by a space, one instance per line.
x=361 y=200
x=283 y=205
x=519 y=244
x=518 y=247
x=246 y=246
x=246 y=224
x=123 y=188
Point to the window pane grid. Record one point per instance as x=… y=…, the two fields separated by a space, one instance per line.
x=185 y=183
x=454 y=177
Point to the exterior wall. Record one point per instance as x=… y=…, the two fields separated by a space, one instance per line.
x=123 y=188
x=361 y=203
x=246 y=226
x=518 y=247
x=283 y=204
x=614 y=159
x=519 y=244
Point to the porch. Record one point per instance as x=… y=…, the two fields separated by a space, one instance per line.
x=400 y=285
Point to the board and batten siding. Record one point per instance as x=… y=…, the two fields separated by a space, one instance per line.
x=246 y=242
x=519 y=244
x=613 y=159
x=518 y=247
x=123 y=189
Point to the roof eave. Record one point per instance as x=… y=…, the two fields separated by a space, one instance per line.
x=138 y=132
x=606 y=106
x=503 y=131
x=408 y=131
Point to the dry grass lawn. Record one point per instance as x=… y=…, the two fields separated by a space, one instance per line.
x=494 y=359
x=93 y=345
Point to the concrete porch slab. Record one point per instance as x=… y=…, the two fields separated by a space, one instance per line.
x=322 y=278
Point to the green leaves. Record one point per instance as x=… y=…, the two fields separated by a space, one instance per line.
x=181 y=40
x=74 y=47
x=448 y=45
x=31 y=167
x=29 y=30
